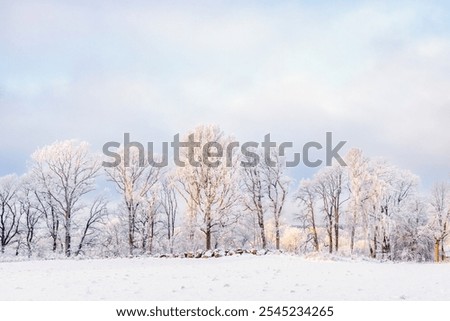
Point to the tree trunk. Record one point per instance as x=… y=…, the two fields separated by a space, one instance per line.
x=352 y=239
x=151 y=234
x=263 y=236
x=436 y=251
x=442 y=251
x=277 y=234
x=208 y=239
x=374 y=254
x=55 y=231
x=386 y=245
x=336 y=231
x=315 y=236
x=169 y=238
x=330 y=241
x=67 y=237
x=262 y=229
x=144 y=243
x=67 y=244
x=208 y=229
x=330 y=232
x=55 y=243
x=131 y=231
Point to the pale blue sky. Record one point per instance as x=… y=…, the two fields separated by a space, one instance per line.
x=377 y=74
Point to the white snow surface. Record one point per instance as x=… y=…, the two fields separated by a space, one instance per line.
x=247 y=277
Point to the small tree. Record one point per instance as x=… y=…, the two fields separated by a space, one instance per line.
x=440 y=217
x=31 y=216
x=95 y=220
x=9 y=210
x=46 y=206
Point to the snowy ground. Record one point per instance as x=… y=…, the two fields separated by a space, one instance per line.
x=230 y=278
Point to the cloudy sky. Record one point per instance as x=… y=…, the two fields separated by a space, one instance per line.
x=376 y=74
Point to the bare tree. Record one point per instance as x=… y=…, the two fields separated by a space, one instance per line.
x=169 y=207
x=307 y=198
x=254 y=189
x=206 y=183
x=321 y=188
x=46 y=206
x=146 y=220
x=277 y=188
x=115 y=232
x=134 y=177
x=95 y=220
x=29 y=212
x=67 y=172
x=9 y=211
x=329 y=187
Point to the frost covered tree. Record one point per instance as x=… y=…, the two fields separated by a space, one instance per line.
x=91 y=229
x=401 y=186
x=30 y=215
x=374 y=190
x=9 y=210
x=169 y=209
x=440 y=217
x=135 y=180
x=277 y=189
x=48 y=209
x=46 y=206
x=146 y=221
x=66 y=171
x=359 y=186
x=329 y=187
x=392 y=188
x=411 y=238
x=306 y=196
x=254 y=195
x=208 y=181
x=265 y=187
x=115 y=236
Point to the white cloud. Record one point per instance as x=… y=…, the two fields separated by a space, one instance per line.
x=376 y=74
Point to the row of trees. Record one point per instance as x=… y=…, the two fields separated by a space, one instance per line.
x=368 y=207
x=379 y=209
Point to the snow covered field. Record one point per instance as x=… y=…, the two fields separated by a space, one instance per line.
x=247 y=277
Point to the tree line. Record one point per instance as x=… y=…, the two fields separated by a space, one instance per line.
x=62 y=206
